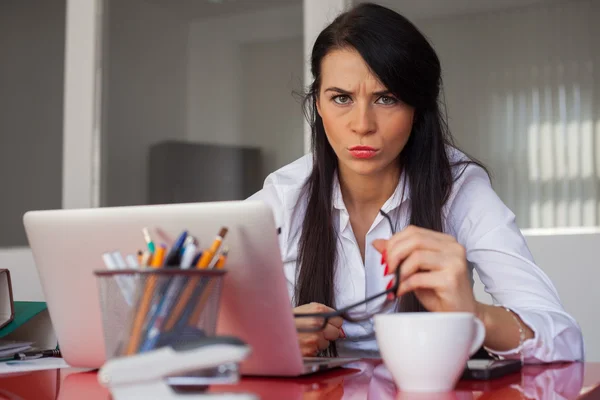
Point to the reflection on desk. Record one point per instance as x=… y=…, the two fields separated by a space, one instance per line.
x=367 y=379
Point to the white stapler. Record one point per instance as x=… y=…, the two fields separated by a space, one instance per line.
x=199 y=363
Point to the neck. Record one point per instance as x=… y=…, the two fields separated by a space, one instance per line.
x=361 y=192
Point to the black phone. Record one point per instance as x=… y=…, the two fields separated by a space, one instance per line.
x=490 y=369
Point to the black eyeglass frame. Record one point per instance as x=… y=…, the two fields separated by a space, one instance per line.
x=344 y=313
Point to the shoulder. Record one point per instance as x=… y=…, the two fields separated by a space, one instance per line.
x=473 y=207
x=285 y=182
x=282 y=191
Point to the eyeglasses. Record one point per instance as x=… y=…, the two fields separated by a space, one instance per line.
x=315 y=322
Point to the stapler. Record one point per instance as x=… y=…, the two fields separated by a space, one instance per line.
x=199 y=363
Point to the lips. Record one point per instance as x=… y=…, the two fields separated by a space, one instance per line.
x=362 y=152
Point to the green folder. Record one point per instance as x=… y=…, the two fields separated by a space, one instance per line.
x=24 y=311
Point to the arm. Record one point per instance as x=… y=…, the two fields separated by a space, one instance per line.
x=496 y=248
x=483 y=233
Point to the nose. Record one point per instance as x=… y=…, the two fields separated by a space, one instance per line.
x=362 y=120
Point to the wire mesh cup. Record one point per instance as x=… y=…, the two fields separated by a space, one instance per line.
x=144 y=309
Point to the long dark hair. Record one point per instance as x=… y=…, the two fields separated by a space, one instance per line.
x=405 y=62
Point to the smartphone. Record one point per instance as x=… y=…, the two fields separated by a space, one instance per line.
x=490 y=369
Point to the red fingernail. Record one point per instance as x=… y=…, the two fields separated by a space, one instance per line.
x=342 y=332
x=386 y=270
x=390 y=296
x=389 y=285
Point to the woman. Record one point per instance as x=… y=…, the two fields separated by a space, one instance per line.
x=381 y=142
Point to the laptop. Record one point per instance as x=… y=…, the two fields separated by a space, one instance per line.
x=255 y=306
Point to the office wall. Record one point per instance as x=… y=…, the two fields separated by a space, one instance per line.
x=487 y=60
x=31 y=95
x=32 y=38
x=521 y=97
x=271 y=116
x=241 y=72
x=145 y=94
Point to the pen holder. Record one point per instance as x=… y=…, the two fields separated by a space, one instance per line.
x=145 y=309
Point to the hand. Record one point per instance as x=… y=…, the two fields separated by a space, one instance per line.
x=433 y=265
x=311 y=343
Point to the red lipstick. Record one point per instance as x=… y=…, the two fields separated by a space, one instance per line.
x=362 y=152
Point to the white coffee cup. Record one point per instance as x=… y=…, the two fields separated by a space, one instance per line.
x=428 y=351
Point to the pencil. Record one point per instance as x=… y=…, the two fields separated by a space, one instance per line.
x=208 y=255
x=144 y=307
x=188 y=291
x=206 y=292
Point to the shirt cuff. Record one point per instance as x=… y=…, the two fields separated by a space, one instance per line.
x=527 y=347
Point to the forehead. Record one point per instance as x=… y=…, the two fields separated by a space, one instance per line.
x=346 y=69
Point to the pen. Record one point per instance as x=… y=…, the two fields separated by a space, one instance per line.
x=189 y=289
x=119 y=260
x=167 y=300
x=189 y=240
x=146 y=257
x=32 y=355
x=148 y=239
x=188 y=256
x=208 y=289
x=125 y=285
x=174 y=256
x=144 y=308
x=131 y=261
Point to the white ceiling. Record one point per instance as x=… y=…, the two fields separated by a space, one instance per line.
x=414 y=9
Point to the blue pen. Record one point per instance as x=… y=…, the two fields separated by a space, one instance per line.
x=167 y=300
x=174 y=257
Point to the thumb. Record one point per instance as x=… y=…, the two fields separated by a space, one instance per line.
x=380 y=244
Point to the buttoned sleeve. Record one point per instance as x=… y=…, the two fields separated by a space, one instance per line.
x=497 y=250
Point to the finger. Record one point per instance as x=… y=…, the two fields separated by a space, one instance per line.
x=400 y=248
x=311 y=308
x=331 y=332
x=309 y=343
x=421 y=260
x=423 y=280
x=322 y=343
x=415 y=230
x=309 y=350
x=336 y=321
x=309 y=322
x=380 y=244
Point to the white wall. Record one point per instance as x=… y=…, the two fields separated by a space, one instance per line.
x=570 y=259
x=543 y=156
x=32 y=42
x=219 y=86
x=521 y=97
x=146 y=86
x=271 y=116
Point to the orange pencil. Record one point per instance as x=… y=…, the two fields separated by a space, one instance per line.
x=188 y=291
x=207 y=290
x=144 y=307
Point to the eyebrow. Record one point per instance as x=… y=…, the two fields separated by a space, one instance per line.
x=345 y=92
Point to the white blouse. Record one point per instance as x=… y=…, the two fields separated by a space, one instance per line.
x=474 y=215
